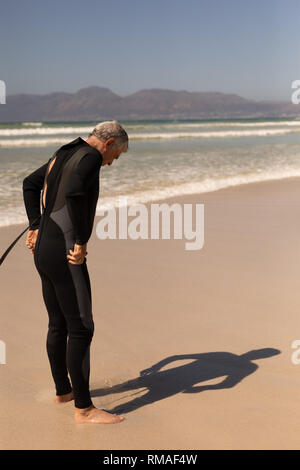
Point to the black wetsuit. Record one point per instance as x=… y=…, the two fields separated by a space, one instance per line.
x=67 y=218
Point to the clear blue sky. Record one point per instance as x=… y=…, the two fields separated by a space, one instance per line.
x=248 y=47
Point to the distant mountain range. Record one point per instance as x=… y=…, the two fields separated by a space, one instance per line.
x=95 y=104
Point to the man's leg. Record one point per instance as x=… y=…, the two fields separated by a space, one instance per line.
x=74 y=297
x=78 y=362
x=56 y=339
x=73 y=293
x=80 y=337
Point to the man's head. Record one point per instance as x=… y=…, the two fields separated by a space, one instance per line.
x=110 y=139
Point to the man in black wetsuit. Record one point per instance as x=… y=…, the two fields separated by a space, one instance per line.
x=69 y=185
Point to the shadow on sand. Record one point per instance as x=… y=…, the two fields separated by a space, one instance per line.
x=183 y=378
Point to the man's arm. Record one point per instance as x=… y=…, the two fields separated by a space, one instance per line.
x=32 y=186
x=78 y=185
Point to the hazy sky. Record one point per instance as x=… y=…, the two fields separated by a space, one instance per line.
x=248 y=47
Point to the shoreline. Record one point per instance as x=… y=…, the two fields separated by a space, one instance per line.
x=187 y=195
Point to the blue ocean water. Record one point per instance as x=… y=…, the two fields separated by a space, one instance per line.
x=165 y=158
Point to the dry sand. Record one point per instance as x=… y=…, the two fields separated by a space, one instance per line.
x=197 y=311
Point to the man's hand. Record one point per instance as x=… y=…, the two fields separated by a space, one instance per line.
x=77 y=254
x=31 y=239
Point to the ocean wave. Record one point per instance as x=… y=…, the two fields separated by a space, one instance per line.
x=155 y=136
x=45 y=131
x=233 y=124
x=33 y=124
x=11 y=216
x=37 y=129
x=205 y=186
x=33 y=142
x=210 y=124
x=213 y=134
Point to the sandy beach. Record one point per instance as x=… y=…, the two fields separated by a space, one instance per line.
x=219 y=322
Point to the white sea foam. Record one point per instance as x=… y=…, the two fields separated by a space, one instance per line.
x=70 y=130
x=10 y=216
x=5 y=143
x=45 y=131
x=13 y=216
x=34 y=124
x=205 y=186
x=213 y=134
x=231 y=124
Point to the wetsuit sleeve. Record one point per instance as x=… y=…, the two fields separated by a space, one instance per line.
x=32 y=187
x=77 y=188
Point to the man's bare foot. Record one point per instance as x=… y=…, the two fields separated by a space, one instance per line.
x=64 y=398
x=94 y=415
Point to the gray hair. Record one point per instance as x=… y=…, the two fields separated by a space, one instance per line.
x=108 y=129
